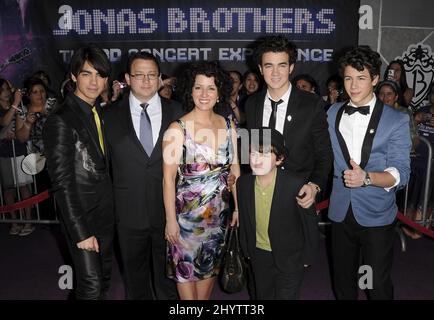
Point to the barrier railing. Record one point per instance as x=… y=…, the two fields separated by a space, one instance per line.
x=422 y=226
x=23 y=204
x=427 y=181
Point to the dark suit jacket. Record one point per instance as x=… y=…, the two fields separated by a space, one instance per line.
x=293 y=231
x=137 y=178
x=78 y=170
x=306 y=135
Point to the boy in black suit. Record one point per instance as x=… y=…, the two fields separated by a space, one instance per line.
x=276 y=233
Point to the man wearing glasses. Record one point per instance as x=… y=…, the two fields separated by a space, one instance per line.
x=135 y=126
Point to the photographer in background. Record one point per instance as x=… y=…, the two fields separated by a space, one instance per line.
x=34 y=114
x=12 y=152
x=395 y=71
x=30 y=124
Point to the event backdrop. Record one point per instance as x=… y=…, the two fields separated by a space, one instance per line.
x=43 y=34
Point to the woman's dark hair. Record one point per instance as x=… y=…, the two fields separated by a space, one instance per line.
x=28 y=84
x=360 y=58
x=42 y=74
x=395 y=88
x=2 y=82
x=308 y=78
x=336 y=79
x=390 y=84
x=208 y=69
x=403 y=79
x=95 y=56
x=257 y=76
x=275 y=44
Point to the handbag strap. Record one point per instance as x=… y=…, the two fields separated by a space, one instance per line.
x=231 y=244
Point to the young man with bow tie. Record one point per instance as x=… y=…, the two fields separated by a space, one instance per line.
x=371 y=144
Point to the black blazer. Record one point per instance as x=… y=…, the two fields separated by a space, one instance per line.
x=293 y=231
x=78 y=170
x=306 y=135
x=137 y=178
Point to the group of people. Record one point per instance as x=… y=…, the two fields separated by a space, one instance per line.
x=22 y=117
x=165 y=176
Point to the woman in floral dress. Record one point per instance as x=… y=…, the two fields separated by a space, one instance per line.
x=198 y=153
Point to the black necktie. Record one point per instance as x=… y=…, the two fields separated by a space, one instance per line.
x=274 y=104
x=363 y=110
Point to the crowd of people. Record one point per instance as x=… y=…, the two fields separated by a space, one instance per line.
x=155 y=163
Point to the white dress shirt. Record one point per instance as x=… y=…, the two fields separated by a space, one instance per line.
x=353 y=129
x=154 y=112
x=281 y=110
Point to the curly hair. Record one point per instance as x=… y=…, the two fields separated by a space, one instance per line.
x=360 y=58
x=209 y=69
x=275 y=44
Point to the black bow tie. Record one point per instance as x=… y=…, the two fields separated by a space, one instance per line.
x=363 y=110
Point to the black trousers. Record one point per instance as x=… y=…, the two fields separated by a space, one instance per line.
x=143 y=254
x=271 y=283
x=93 y=270
x=374 y=246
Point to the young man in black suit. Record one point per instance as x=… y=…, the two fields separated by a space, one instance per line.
x=77 y=163
x=276 y=233
x=135 y=127
x=296 y=114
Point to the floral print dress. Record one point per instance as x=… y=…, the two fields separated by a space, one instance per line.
x=201 y=210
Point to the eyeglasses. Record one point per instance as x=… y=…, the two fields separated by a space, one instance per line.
x=149 y=76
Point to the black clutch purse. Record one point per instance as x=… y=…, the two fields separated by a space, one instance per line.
x=233 y=269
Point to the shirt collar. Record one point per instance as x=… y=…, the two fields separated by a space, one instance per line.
x=285 y=96
x=268 y=188
x=135 y=103
x=371 y=103
x=84 y=106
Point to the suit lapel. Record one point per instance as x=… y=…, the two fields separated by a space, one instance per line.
x=291 y=112
x=251 y=204
x=165 y=121
x=370 y=133
x=278 y=193
x=339 y=136
x=259 y=105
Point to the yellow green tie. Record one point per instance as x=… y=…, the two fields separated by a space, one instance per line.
x=98 y=127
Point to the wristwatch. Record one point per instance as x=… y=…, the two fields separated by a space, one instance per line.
x=367 y=180
x=318 y=189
